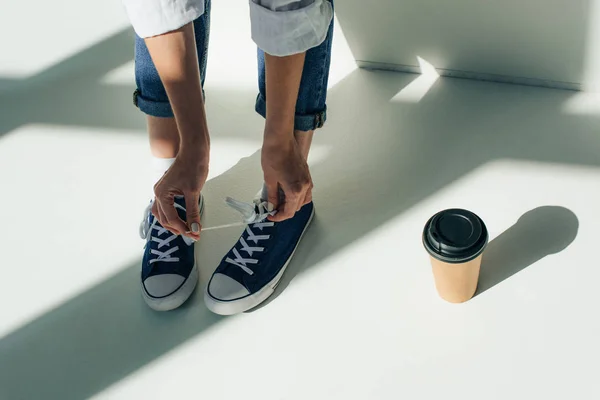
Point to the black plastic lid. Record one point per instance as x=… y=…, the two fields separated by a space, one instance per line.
x=455 y=236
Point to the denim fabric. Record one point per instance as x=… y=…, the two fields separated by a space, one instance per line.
x=311 y=110
x=150 y=96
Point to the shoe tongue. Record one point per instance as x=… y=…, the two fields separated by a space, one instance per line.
x=180 y=200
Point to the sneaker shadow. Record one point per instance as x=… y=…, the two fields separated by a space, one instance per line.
x=540 y=232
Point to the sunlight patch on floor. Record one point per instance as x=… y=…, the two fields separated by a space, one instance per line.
x=342 y=60
x=417 y=89
x=583 y=103
x=123 y=75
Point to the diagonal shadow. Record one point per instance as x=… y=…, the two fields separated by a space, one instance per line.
x=70 y=92
x=92 y=341
x=91 y=64
x=385 y=158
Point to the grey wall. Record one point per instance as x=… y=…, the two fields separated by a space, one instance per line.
x=547 y=40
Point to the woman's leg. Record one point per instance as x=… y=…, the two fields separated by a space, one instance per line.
x=151 y=97
x=304 y=140
x=311 y=108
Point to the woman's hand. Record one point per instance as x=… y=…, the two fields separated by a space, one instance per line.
x=284 y=167
x=186 y=177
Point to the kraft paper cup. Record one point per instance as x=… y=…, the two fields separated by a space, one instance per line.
x=455 y=240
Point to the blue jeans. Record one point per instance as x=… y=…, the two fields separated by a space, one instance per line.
x=311 y=111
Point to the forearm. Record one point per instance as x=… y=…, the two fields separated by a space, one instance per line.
x=176 y=60
x=283 y=76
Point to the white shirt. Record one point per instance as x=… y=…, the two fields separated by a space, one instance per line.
x=279 y=27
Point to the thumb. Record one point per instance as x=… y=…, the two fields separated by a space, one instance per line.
x=193 y=212
x=273 y=194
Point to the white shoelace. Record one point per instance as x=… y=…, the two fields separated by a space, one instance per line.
x=253 y=220
x=147 y=233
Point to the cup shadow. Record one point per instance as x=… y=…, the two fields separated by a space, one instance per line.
x=540 y=232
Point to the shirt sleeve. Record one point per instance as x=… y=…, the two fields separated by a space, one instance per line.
x=286 y=27
x=155 y=17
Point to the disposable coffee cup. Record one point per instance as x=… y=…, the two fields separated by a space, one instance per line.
x=455 y=240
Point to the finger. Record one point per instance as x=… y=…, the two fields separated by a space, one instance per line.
x=176 y=224
x=192 y=209
x=308 y=197
x=304 y=194
x=165 y=224
x=171 y=229
x=299 y=194
x=157 y=212
x=273 y=193
x=286 y=210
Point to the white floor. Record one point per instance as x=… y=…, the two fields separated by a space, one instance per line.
x=357 y=316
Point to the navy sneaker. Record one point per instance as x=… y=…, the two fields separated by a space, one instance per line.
x=169 y=273
x=249 y=273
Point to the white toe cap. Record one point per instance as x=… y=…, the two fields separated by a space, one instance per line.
x=163 y=285
x=224 y=288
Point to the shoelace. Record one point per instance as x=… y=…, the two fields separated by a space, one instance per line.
x=250 y=217
x=147 y=232
x=255 y=216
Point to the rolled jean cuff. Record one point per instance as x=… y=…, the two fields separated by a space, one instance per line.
x=302 y=122
x=154 y=108
x=151 y=107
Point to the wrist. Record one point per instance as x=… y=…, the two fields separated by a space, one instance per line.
x=278 y=133
x=277 y=147
x=193 y=128
x=194 y=149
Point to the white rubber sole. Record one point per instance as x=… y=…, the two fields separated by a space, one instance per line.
x=180 y=296
x=244 y=304
x=175 y=299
